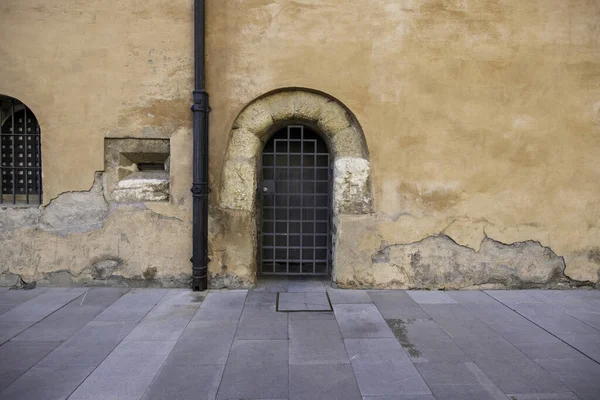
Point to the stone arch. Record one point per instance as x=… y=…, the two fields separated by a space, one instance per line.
x=328 y=116
x=235 y=259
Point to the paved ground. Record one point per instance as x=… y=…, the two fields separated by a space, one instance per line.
x=109 y=343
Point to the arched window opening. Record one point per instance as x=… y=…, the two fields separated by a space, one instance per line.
x=20 y=154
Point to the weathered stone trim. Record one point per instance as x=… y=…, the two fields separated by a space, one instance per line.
x=237 y=201
x=340 y=129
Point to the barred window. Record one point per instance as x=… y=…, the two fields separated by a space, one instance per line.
x=20 y=154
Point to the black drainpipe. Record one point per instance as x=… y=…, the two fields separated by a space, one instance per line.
x=200 y=110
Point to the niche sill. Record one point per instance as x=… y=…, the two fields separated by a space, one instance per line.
x=143 y=186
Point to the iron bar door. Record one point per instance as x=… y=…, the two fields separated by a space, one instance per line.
x=296 y=204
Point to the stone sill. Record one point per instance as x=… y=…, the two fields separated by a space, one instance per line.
x=142 y=186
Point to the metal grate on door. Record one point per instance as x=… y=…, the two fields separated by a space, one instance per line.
x=296 y=199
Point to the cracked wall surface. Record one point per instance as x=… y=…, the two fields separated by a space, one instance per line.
x=482 y=120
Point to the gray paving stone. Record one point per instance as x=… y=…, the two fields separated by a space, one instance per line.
x=45 y=383
x=425 y=341
x=316 y=342
x=347 y=296
x=185 y=382
x=519 y=374
x=332 y=382
x=554 y=349
x=60 y=325
x=513 y=297
x=6 y=307
x=543 y=396
x=182 y=297
x=272 y=284
x=401 y=397
x=396 y=304
x=457 y=321
x=553 y=320
x=304 y=286
x=127 y=372
x=255 y=298
x=451 y=373
x=203 y=343
x=90 y=346
x=41 y=306
x=467 y=392
x=430 y=297
x=591 y=318
x=304 y=316
x=361 y=321
x=16 y=297
x=222 y=306
x=311 y=301
x=262 y=322
x=163 y=323
x=100 y=297
x=17 y=357
x=133 y=306
x=589 y=344
x=382 y=368
x=582 y=376
x=8 y=330
x=256 y=369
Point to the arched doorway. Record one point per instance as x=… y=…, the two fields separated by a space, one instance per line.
x=236 y=255
x=295 y=203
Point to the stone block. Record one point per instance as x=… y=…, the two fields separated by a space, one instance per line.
x=239 y=184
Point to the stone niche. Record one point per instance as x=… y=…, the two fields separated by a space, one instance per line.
x=136 y=170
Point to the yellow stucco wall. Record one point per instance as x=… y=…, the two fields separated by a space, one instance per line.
x=482 y=117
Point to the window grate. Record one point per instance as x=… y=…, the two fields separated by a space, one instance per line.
x=20 y=154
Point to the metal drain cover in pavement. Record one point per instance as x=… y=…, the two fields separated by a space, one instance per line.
x=316 y=301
